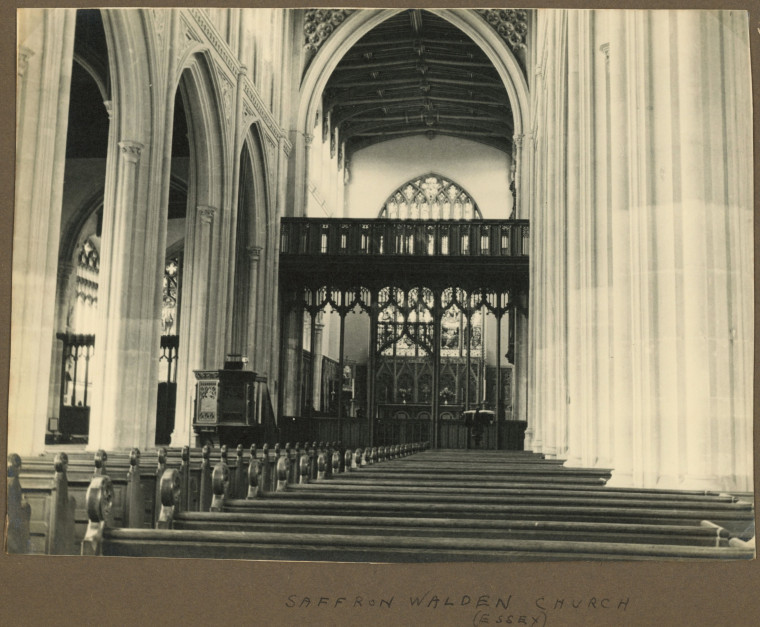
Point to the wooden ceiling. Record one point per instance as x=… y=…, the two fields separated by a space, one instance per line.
x=417 y=74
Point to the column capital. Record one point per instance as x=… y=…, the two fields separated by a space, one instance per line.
x=308 y=138
x=242 y=69
x=518 y=139
x=253 y=252
x=131 y=150
x=605 y=48
x=109 y=108
x=206 y=214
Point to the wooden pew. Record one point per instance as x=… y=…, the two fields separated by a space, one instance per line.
x=101 y=539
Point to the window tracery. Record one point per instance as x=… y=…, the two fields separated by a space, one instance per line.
x=430 y=197
x=86 y=289
x=170 y=296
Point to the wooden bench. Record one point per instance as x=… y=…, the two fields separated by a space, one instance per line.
x=167 y=542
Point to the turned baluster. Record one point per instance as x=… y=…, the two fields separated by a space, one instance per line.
x=335 y=463
x=357 y=461
x=365 y=457
x=204 y=502
x=171 y=497
x=348 y=458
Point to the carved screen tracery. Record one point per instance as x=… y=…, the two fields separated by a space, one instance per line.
x=170 y=296
x=86 y=303
x=430 y=197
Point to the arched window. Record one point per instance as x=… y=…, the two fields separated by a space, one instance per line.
x=430 y=197
x=169 y=309
x=87 y=270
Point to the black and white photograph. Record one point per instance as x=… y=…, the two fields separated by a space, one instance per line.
x=387 y=286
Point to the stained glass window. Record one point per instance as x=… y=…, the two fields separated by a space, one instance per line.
x=170 y=295
x=430 y=197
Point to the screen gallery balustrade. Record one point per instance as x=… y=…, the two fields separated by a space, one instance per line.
x=428 y=272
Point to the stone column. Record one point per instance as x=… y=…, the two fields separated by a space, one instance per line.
x=254 y=253
x=521 y=366
x=316 y=365
x=46 y=40
x=124 y=394
x=621 y=405
x=196 y=353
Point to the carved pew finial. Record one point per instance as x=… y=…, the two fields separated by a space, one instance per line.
x=60 y=540
x=283 y=472
x=135 y=505
x=171 y=495
x=336 y=462
x=321 y=466
x=240 y=489
x=101 y=457
x=184 y=474
x=99 y=501
x=220 y=484
x=304 y=469
x=254 y=475
x=18 y=539
x=347 y=460
x=160 y=470
x=205 y=497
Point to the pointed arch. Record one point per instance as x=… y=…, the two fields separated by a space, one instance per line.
x=198 y=86
x=359 y=23
x=258 y=192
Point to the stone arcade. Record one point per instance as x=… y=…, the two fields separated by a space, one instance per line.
x=391 y=218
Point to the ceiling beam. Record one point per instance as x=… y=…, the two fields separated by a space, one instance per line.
x=416 y=81
x=426 y=130
x=339 y=117
x=438 y=116
x=383 y=43
x=464 y=101
x=410 y=61
x=357 y=143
